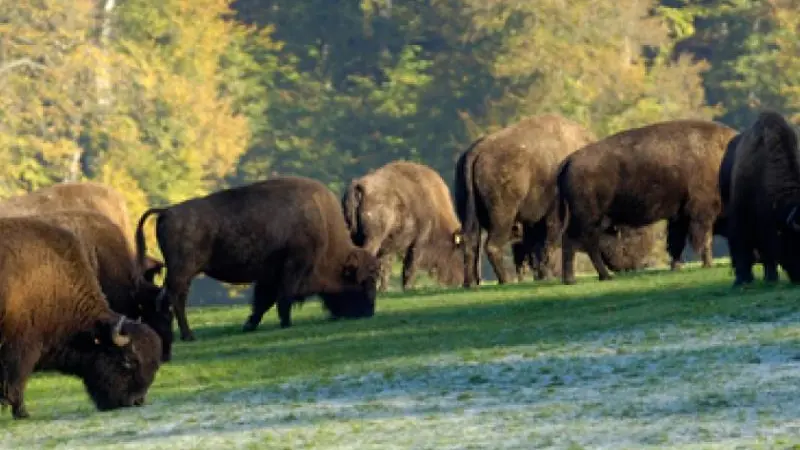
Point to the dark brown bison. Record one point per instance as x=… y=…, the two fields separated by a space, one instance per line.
x=86 y=195
x=764 y=202
x=286 y=234
x=667 y=170
x=116 y=269
x=54 y=317
x=405 y=207
x=508 y=178
x=628 y=249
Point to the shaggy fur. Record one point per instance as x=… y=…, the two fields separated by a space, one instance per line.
x=53 y=316
x=405 y=207
x=286 y=234
x=508 y=178
x=79 y=195
x=764 y=213
x=667 y=170
x=115 y=266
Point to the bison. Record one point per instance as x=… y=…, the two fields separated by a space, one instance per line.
x=115 y=266
x=628 y=249
x=764 y=198
x=405 y=207
x=286 y=234
x=85 y=195
x=508 y=178
x=54 y=317
x=668 y=170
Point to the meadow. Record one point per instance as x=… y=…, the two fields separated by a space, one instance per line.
x=649 y=360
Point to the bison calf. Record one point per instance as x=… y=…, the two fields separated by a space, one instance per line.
x=286 y=234
x=667 y=170
x=53 y=316
x=111 y=257
x=405 y=207
x=764 y=209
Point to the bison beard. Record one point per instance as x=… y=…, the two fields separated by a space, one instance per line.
x=637 y=177
x=114 y=264
x=405 y=208
x=764 y=210
x=53 y=317
x=287 y=235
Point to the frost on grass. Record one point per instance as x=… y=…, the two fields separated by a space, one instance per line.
x=719 y=384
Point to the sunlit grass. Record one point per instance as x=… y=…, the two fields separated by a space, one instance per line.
x=649 y=359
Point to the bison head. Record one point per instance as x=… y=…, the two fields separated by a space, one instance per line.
x=358 y=288
x=120 y=364
x=155 y=311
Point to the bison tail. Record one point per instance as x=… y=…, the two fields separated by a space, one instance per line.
x=563 y=195
x=465 y=189
x=351 y=205
x=141 y=245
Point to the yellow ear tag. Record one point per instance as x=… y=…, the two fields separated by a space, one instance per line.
x=97 y=341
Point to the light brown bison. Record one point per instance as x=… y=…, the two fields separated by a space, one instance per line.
x=764 y=209
x=286 y=234
x=116 y=269
x=86 y=195
x=54 y=317
x=405 y=207
x=667 y=170
x=508 y=178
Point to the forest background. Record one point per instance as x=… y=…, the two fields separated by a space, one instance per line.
x=173 y=99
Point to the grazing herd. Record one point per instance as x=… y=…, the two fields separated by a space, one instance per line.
x=78 y=292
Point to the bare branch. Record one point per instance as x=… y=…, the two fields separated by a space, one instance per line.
x=19 y=63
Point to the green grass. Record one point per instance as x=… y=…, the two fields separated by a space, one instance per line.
x=649 y=360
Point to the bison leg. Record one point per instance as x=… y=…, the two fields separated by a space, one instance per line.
x=592 y=246
x=177 y=289
x=677 y=232
x=741 y=245
x=410 y=266
x=385 y=271
x=494 y=250
x=568 y=260
x=700 y=236
x=17 y=365
x=263 y=300
x=769 y=251
x=521 y=259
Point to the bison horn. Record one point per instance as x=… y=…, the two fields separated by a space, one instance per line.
x=790 y=219
x=119 y=339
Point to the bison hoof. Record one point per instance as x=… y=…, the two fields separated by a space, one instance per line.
x=188 y=337
x=286 y=324
x=569 y=281
x=605 y=277
x=20 y=413
x=249 y=326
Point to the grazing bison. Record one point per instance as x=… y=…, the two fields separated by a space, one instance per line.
x=405 y=207
x=667 y=170
x=115 y=266
x=764 y=203
x=508 y=178
x=629 y=249
x=286 y=234
x=53 y=317
x=78 y=195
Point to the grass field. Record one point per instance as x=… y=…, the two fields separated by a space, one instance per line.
x=649 y=360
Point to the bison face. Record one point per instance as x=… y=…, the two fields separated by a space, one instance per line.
x=121 y=364
x=357 y=296
x=156 y=313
